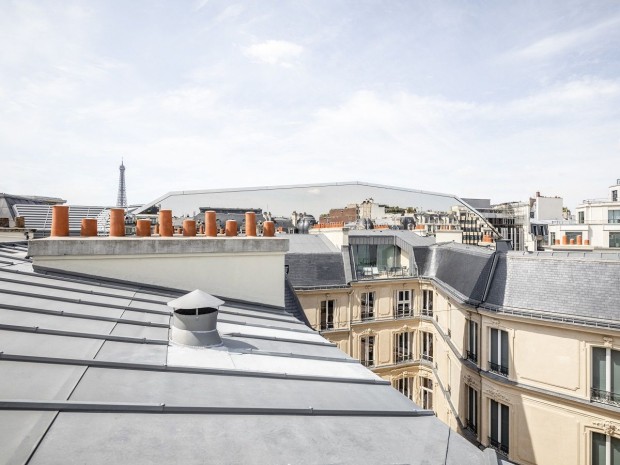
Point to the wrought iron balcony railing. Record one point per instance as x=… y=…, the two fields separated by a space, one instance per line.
x=427 y=357
x=472 y=427
x=598 y=395
x=498 y=446
x=499 y=369
x=473 y=356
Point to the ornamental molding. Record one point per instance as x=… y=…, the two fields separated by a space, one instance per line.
x=610 y=428
x=404 y=374
x=608 y=341
x=496 y=395
x=494 y=323
x=470 y=380
x=367 y=332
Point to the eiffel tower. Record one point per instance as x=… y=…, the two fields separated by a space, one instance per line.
x=121 y=200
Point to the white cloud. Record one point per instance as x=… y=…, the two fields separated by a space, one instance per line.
x=275 y=52
x=562 y=42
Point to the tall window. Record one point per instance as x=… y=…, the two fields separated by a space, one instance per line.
x=426 y=393
x=403 y=347
x=472 y=409
x=367 y=351
x=405 y=387
x=427 y=303
x=605 y=375
x=472 y=341
x=605 y=450
x=426 y=346
x=327 y=314
x=613 y=216
x=403 y=303
x=614 y=239
x=368 y=305
x=499 y=427
x=581 y=217
x=498 y=352
x=614 y=196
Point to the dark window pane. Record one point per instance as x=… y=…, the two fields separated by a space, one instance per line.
x=598 y=449
x=598 y=368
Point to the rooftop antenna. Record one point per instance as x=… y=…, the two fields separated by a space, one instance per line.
x=121 y=200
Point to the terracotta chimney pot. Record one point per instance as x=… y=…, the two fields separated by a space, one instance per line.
x=117 y=222
x=250 y=224
x=586 y=242
x=88 y=227
x=143 y=228
x=165 y=223
x=60 y=221
x=210 y=224
x=564 y=240
x=189 y=228
x=231 y=228
x=579 y=240
x=269 y=229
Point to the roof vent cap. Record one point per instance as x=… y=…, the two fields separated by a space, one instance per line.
x=194 y=322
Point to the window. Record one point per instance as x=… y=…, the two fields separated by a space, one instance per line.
x=427 y=303
x=327 y=314
x=605 y=450
x=472 y=409
x=614 y=196
x=605 y=376
x=405 y=387
x=426 y=393
x=426 y=349
x=552 y=239
x=614 y=239
x=498 y=351
x=613 y=216
x=499 y=425
x=368 y=305
x=403 y=303
x=367 y=351
x=472 y=341
x=403 y=347
x=581 y=217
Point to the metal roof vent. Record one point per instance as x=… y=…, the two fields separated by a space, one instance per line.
x=194 y=322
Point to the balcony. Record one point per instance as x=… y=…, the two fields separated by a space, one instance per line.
x=605 y=397
x=472 y=356
x=498 y=369
x=498 y=446
x=427 y=312
x=427 y=357
x=368 y=316
x=471 y=427
x=380 y=272
x=368 y=363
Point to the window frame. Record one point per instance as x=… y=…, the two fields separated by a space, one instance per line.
x=330 y=311
x=610 y=393
x=497 y=444
x=427 y=302
x=472 y=346
x=472 y=410
x=406 y=355
x=426 y=338
x=495 y=366
x=366 y=348
x=426 y=393
x=404 y=305
x=367 y=302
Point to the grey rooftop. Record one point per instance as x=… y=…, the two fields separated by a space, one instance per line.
x=88 y=375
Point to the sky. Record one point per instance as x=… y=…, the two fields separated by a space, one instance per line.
x=480 y=99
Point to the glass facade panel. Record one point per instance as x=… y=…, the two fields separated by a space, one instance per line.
x=614 y=239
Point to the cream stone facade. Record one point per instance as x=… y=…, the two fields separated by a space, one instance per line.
x=524 y=382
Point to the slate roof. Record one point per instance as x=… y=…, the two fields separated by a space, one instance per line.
x=579 y=285
x=87 y=375
x=316 y=269
x=464 y=269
